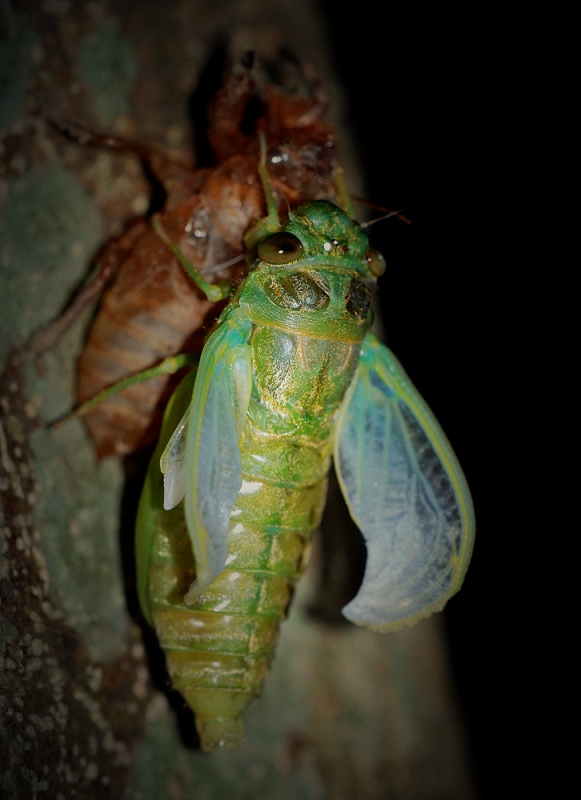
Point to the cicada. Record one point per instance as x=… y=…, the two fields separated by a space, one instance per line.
x=291 y=379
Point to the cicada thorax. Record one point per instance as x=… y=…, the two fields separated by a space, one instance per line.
x=152 y=310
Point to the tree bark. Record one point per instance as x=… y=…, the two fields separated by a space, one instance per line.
x=84 y=705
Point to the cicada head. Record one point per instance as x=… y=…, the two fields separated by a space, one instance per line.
x=327 y=237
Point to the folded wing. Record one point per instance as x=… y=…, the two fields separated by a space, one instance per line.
x=202 y=460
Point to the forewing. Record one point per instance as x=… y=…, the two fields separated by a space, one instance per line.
x=406 y=491
x=213 y=474
x=172 y=464
x=151 y=514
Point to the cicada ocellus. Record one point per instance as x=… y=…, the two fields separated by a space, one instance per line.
x=290 y=379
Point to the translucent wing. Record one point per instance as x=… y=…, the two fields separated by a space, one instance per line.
x=151 y=514
x=213 y=474
x=406 y=492
x=172 y=465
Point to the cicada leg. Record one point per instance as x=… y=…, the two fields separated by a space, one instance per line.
x=343 y=192
x=169 y=366
x=213 y=291
x=48 y=335
x=271 y=222
x=162 y=166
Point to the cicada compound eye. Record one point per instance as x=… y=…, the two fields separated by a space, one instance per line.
x=280 y=248
x=376 y=262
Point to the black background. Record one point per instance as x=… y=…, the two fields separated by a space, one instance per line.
x=414 y=104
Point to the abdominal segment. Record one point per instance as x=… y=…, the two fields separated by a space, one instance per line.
x=219 y=650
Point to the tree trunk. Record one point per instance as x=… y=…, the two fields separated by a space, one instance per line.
x=86 y=710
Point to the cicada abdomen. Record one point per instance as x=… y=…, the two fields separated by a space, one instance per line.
x=152 y=310
x=218 y=649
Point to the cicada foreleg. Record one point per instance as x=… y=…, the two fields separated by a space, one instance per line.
x=270 y=222
x=267 y=224
x=213 y=291
x=169 y=366
x=347 y=204
x=162 y=166
x=343 y=192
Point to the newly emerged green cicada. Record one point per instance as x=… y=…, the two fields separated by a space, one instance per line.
x=290 y=378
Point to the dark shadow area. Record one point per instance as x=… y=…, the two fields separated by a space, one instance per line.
x=343 y=557
x=406 y=134
x=210 y=80
x=135 y=469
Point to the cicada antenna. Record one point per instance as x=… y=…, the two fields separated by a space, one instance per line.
x=387 y=213
x=223 y=265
